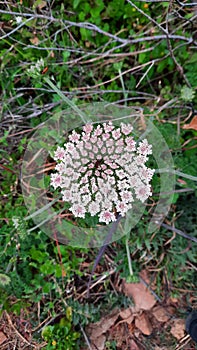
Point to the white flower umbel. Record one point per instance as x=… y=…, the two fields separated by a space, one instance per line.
x=101 y=171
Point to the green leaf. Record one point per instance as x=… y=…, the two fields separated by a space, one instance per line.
x=76 y=3
x=66 y=55
x=38 y=255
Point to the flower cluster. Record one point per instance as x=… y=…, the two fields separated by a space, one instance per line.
x=101 y=171
x=4 y=280
x=35 y=70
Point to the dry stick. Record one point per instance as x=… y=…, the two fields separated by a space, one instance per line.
x=179 y=67
x=123 y=73
x=148 y=17
x=180 y=3
x=183 y=341
x=90 y=26
x=108 y=54
x=16 y=331
x=181 y=233
x=186 y=4
x=86 y=338
x=150 y=290
x=102 y=249
x=17 y=28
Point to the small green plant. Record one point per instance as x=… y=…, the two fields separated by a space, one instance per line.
x=114 y=51
x=4 y=280
x=187 y=94
x=62 y=335
x=110 y=345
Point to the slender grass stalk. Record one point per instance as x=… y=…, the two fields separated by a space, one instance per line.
x=66 y=100
x=177 y=172
x=129 y=256
x=39 y=211
x=125 y=94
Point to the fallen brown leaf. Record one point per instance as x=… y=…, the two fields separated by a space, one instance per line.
x=2 y=337
x=127 y=315
x=96 y=329
x=117 y=333
x=131 y=328
x=160 y=314
x=173 y=299
x=143 y=324
x=192 y=124
x=99 y=343
x=41 y=4
x=182 y=182
x=133 y=345
x=141 y=296
x=178 y=328
x=144 y=275
x=35 y=40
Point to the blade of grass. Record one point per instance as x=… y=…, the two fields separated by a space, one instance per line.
x=66 y=100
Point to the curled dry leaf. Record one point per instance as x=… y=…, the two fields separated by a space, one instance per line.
x=140 y=294
x=178 y=328
x=192 y=124
x=143 y=324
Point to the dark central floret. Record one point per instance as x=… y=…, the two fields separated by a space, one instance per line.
x=98 y=163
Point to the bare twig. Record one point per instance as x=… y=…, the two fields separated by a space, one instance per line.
x=149 y=18
x=94 y=28
x=86 y=338
x=16 y=331
x=17 y=28
x=150 y=289
x=179 y=232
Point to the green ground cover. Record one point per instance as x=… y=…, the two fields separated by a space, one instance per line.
x=134 y=54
